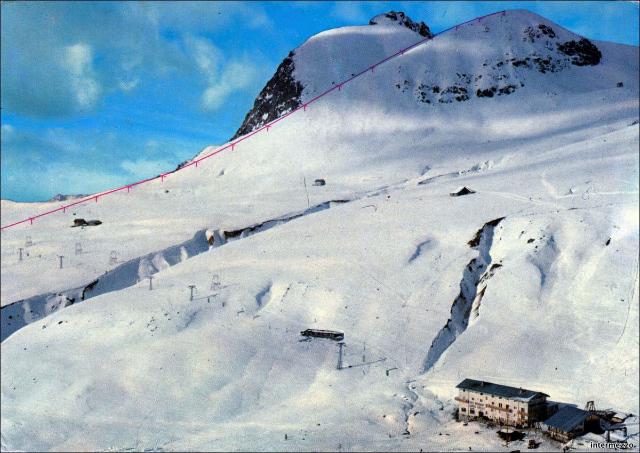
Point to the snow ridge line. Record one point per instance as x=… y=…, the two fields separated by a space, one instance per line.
x=16 y=315
x=266 y=127
x=468 y=300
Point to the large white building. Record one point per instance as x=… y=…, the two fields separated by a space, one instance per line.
x=500 y=403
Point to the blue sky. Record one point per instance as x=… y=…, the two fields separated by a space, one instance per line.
x=99 y=94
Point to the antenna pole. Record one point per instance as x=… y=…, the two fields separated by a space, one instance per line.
x=304 y=180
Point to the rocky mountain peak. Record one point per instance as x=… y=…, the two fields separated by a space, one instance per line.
x=63 y=197
x=400 y=18
x=500 y=64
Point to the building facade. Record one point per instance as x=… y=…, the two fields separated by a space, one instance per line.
x=500 y=403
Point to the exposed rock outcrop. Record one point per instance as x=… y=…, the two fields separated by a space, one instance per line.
x=61 y=197
x=401 y=19
x=582 y=53
x=281 y=95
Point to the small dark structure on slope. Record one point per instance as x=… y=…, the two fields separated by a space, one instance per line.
x=319 y=333
x=319 y=182
x=510 y=434
x=462 y=191
x=83 y=223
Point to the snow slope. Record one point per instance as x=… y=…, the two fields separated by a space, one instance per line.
x=546 y=298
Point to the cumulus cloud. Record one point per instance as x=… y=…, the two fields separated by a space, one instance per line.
x=60 y=59
x=237 y=75
x=206 y=56
x=33 y=167
x=45 y=72
x=221 y=77
x=444 y=15
x=79 y=61
x=55 y=179
x=37 y=163
x=197 y=17
x=7 y=130
x=128 y=85
x=17 y=144
x=353 y=12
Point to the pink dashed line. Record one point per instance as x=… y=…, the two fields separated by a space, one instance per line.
x=267 y=126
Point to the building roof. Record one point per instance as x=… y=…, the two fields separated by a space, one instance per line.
x=504 y=391
x=567 y=418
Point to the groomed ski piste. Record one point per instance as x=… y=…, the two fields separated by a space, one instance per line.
x=429 y=289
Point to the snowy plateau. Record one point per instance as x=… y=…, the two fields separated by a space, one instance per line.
x=530 y=281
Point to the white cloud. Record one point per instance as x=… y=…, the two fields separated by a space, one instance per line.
x=7 y=130
x=222 y=78
x=60 y=179
x=214 y=96
x=130 y=85
x=78 y=59
x=350 y=12
x=236 y=76
x=54 y=160
x=72 y=144
x=197 y=17
x=62 y=67
x=205 y=55
x=452 y=13
x=258 y=19
x=152 y=145
x=56 y=178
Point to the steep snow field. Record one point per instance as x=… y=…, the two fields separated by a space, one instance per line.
x=545 y=298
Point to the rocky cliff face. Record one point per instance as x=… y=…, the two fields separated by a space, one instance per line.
x=280 y=95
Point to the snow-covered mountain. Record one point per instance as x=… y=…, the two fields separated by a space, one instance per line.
x=495 y=62
x=284 y=92
x=530 y=281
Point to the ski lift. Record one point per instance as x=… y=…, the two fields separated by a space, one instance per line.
x=215 y=282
